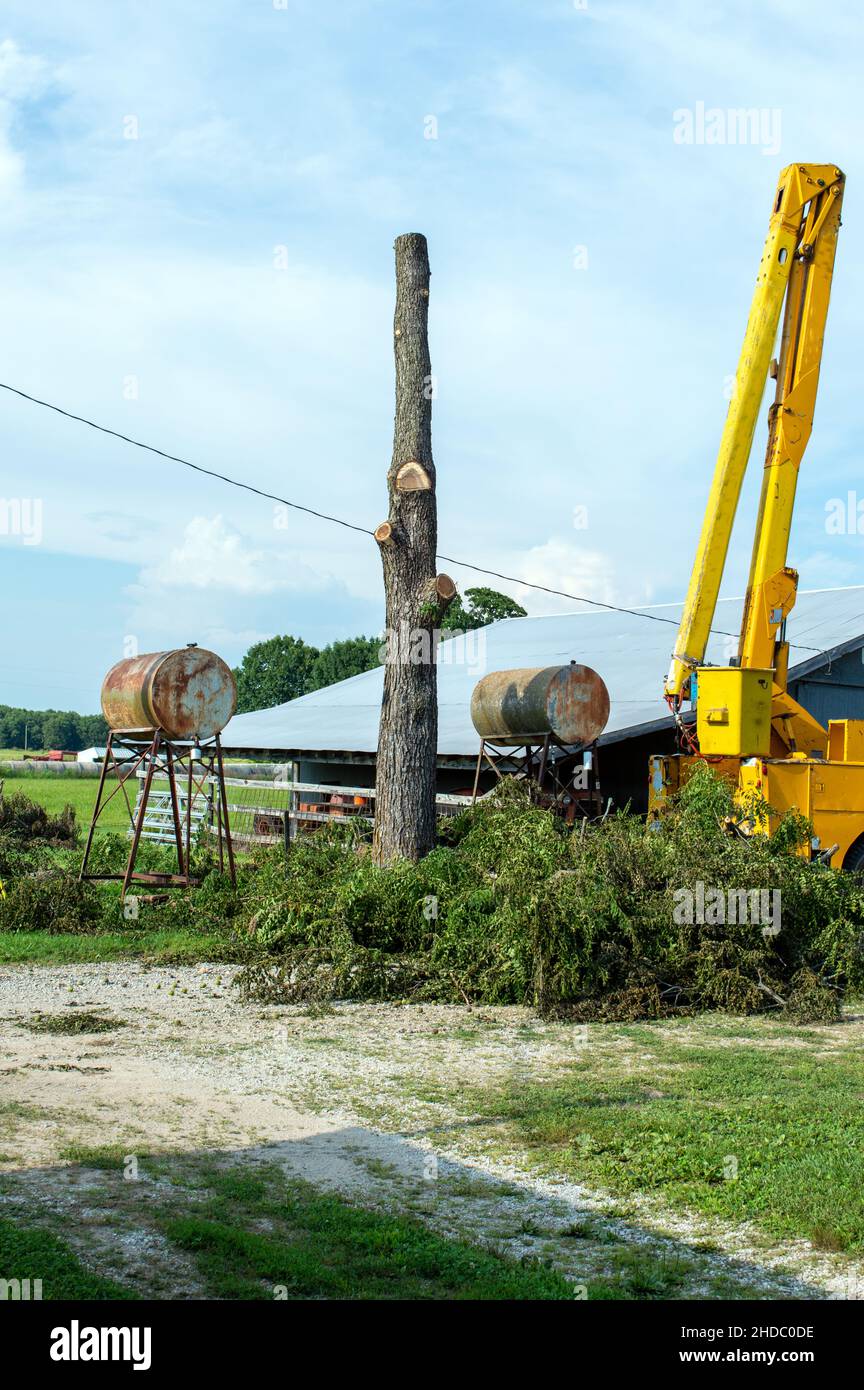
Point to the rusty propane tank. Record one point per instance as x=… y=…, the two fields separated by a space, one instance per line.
x=571 y=702
x=187 y=694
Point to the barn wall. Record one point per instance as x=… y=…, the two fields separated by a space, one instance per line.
x=836 y=692
x=623 y=768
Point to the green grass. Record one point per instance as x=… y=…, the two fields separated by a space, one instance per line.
x=319 y=1246
x=252 y=1235
x=249 y=1233
x=109 y=1157
x=37 y=1254
x=54 y=791
x=160 y=947
x=772 y=1134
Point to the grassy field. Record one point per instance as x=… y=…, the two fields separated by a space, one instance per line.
x=158 y=947
x=743 y=1120
x=54 y=792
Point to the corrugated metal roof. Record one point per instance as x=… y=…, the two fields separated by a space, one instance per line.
x=630 y=653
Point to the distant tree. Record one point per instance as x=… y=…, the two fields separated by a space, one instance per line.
x=18 y=724
x=484 y=606
x=272 y=672
x=94 y=730
x=31 y=729
x=340 y=660
x=61 y=729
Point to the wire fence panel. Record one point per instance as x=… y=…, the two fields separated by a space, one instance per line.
x=258 y=812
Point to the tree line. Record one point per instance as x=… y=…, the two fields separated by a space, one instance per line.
x=50 y=728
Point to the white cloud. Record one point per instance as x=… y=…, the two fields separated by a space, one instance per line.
x=213 y=555
x=22 y=77
x=559 y=564
x=219 y=589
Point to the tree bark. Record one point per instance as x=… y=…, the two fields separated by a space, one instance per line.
x=416 y=598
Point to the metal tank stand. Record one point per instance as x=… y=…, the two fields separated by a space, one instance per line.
x=563 y=779
x=127 y=751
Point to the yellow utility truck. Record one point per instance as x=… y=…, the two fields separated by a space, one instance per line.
x=747 y=725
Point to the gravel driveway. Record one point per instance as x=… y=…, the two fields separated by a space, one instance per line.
x=363 y=1099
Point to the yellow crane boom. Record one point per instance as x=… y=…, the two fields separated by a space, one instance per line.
x=797 y=266
x=748 y=728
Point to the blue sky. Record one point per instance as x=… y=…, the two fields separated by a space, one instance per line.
x=222 y=287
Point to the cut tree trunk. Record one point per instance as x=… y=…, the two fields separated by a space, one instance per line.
x=416 y=597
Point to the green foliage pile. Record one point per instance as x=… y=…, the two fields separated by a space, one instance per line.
x=24 y=819
x=40 y=892
x=512 y=907
x=110 y=854
x=517 y=908
x=53 y=902
x=28 y=833
x=70 y=1024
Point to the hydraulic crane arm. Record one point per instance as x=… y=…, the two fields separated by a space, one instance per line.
x=797 y=265
x=771 y=586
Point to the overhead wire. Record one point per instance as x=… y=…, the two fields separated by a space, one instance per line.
x=350 y=525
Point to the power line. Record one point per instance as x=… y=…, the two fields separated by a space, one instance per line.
x=175 y=458
x=350 y=525
x=562 y=593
